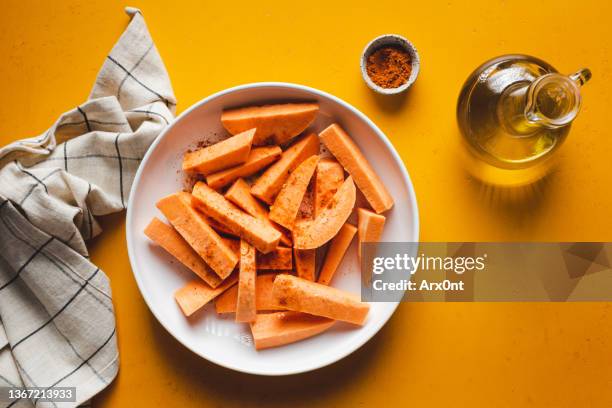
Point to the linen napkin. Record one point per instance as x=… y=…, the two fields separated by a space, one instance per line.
x=57 y=326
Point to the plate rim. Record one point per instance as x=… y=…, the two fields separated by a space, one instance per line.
x=130 y=239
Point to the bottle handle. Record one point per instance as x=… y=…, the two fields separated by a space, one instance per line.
x=581 y=76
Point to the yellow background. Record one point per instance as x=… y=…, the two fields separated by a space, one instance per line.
x=541 y=355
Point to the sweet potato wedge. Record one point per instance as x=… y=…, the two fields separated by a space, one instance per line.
x=227 y=153
x=166 y=237
x=311 y=234
x=240 y=194
x=301 y=295
x=256 y=232
x=352 y=159
x=277 y=122
x=278 y=259
x=278 y=329
x=271 y=181
x=196 y=294
x=305 y=263
x=259 y=158
x=337 y=249
x=226 y=302
x=246 y=309
x=370 y=227
x=287 y=203
x=328 y=179
x=195 y=230
x=217 y=226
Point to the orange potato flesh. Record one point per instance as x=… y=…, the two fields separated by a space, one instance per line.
x=307 y=307
x=259 y=158
x=370 y=227
x=246 y=309
x=240 y=194
x=227 y=153
x=216 y=225
x=287 y=203
x=352 y=159
x=256 y=232
x=311 y=234
x=271 y=181
x=196 y=294
x=277 y=122
x=305 y=259
x=281 y=328
x=278 y=259
x=301 y=295
x=328 y=179
x=171 y=241
x=337 y=249
x=226 y=303
x=305 y=263
x=198 y=234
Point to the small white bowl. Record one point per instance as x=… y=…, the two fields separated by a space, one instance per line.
x=394 y=40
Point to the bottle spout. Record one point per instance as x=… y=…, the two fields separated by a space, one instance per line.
x=581 y=76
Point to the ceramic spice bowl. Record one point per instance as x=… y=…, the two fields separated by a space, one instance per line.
x=395 y=41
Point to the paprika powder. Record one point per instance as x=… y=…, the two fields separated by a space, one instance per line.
x=389 y=66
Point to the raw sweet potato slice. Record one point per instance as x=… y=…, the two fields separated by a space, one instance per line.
x=256 y=232
x=311 y=234
x=301 y=295
x=328 y=179
x=305 y=259
x=240 y=194
x=277 y=122
x=271 y=181
x=337 y=249
x=226 y=302
x=259 y=158
x=193 y=227
x=278 y=329
x=278 y=259
x=370 y=227
x=196 y=294
x=216 y=225
x=287 y=203
x=355 y=163
x=170 y=240
x=305 y=263
x=227 y=153
x=246 y=309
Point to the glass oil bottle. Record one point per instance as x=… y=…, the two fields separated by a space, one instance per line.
x=514 y=112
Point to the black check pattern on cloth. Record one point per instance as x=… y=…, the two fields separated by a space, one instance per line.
x=82 y=112
x=51 y=319
x=57 y=324
x=128 y=75
x=30 y=252
x=25 y=264
x=139 y=82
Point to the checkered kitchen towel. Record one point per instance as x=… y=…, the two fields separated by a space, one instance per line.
x=57 y=324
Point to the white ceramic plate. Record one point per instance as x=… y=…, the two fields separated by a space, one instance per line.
x=220 y=339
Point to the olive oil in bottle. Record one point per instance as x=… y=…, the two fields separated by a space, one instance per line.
x=514 y=112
